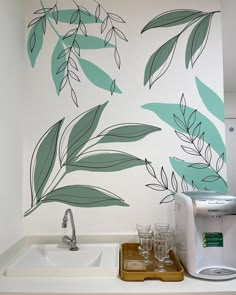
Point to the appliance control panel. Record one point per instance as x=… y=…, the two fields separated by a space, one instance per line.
x=214 y=207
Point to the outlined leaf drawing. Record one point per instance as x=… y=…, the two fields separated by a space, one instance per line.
x=197 y=40
x=43 y=160
x=198 y=21
x=211 y=100
x=200 y=176
x=80 y=129
x=64 y=16
x=160 y=61
x=35 y=43
x=84 y=196
x=126 y=132
x=172 y=18
x=97 y=76
x=104 y=161
x=58 y=65
x=211 y=134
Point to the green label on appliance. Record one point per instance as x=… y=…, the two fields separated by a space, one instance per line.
x=212 y=239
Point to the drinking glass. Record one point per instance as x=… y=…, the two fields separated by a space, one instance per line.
x=160 y=252
x=142 y=229
x=146 y=245
x=168 y=237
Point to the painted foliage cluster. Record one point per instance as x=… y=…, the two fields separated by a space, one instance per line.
x=83 y=30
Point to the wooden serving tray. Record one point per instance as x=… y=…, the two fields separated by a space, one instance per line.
x=132 y=267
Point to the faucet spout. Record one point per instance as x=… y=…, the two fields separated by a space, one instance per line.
x=72 y=242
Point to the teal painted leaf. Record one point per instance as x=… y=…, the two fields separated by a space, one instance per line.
x=80 y=131
x=160 y=61
x=64 y=16
x=84 y=196
x=35 y=42
x=202 y=178
x=197 y=40
x=212 y=101
x=105 y=161
x=126 y=132
x=97 y=76
x=87 y=42
x=173 y=18
x=58 y=65
x=211 y=134
x=43 y=159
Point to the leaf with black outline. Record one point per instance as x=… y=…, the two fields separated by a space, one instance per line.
x=42 y=10
x=74 y=16
x=181 y=124
x=104 y=161
x=35 y=43
x=167 y=199
x=200 y=142
x=104 y=24
x=197 y=40
x=164 y=178
x=108 y=36
x=55 y=14
x=117 y=58
x=126 y=132
x=84 y=10
x=211 y=178
x=156 y=187
x=43 y=160
x=74 y=97
x=174 y=182
x=184 y=184
x=44 y=24
x=196 y=131
x=97 y=12
x=73 y=63
x=113 y=86
x=120 y=34
x=220 y=162
x=172 y=18
x=194 y=186
x=34 y=21
x=199 y=165
x=70 y=33
x=208 y=154
x=182 y=105
x=191 y=119
x=83 y=28
x=150 y=169
x=84 y=196
x=80 y=131
x=63 y=83
x=190 y=151
x=73 y=75
x=183 y=137
x=116 y=17
x=64 y=16
x=58 y=65
x=160 y=61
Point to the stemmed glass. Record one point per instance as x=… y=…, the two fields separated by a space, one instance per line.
x=146 y=245
x=142 y=229
x=160 y=253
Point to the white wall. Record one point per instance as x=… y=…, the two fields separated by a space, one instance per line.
x=11 y=81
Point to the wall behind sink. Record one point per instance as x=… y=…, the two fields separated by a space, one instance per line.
x=116 y=121
x=12 y=104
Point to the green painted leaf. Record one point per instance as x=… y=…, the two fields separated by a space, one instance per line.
x=198 y=176
x=105 y=161
x=87 y=42
x=212 y=101
x=84 y=196
x=160 y=61
x=43 y=159
x=166 y=112
x=64 y=16
x=197 y=40
x=80 y=131
x=173 y=18
x=35 y=42
x=126 y=132
x=96 y=75
x=58 y=65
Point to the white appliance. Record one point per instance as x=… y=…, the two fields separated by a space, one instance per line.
x=206 y=234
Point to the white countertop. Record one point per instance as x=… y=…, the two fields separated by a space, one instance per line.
x=53 y=285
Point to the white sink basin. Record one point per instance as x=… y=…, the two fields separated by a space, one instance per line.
x=45 y=260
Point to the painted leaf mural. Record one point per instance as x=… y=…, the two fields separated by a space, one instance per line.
x=75 y=151
x=161 y=59
x=67 y=55
x=199 y=137
x=84 y=196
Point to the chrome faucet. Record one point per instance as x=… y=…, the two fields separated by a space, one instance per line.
x=72 y=242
